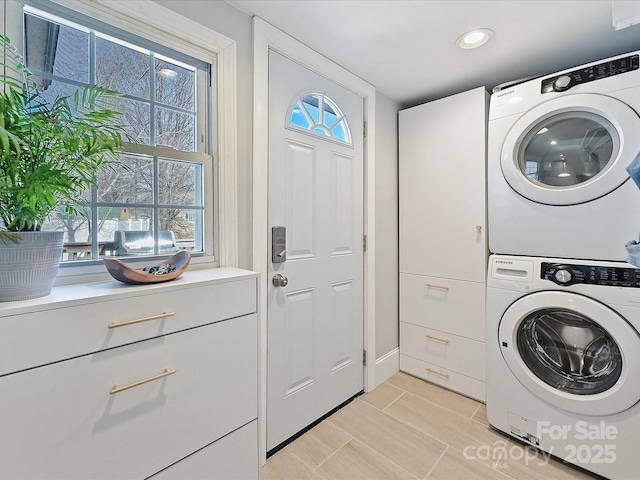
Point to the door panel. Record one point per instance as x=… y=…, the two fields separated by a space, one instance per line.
x=315 y=321
x=301 y=222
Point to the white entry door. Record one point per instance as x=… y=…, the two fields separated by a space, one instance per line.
x=315 y=321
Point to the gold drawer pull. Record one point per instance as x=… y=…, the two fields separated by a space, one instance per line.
x=431 y=285
x=166 y=373
x=445 y=375
x=431 y=337
x=141 y=320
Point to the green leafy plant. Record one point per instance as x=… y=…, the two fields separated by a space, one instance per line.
x=50 y=153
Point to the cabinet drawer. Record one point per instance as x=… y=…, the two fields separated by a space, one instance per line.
x=33 y=339
x=457 y=382
x=234 y=457
x=452 y=352
x=446 y=305
x=71 y=427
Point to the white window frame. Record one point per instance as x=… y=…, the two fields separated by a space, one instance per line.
x=164 y=26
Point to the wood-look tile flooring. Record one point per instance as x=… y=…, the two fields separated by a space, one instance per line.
x=409 y=429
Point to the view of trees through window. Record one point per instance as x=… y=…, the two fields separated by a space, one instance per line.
x=158 y=202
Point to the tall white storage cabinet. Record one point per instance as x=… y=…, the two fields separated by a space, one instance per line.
x=443 y=249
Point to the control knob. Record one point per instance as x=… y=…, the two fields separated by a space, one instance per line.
x=561 y=83
x=563 y=276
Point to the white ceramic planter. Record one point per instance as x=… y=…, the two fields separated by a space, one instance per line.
x=28 y=267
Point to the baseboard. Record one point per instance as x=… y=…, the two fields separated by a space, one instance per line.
x=387 y=366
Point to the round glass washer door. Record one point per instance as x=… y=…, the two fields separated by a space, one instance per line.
x=572 y=352
x=571 y=150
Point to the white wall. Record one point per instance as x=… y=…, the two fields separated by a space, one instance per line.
x=386 y=225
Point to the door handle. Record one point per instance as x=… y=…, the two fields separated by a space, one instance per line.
x=279 y=280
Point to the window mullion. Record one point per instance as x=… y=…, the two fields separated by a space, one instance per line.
x=152 y=100
x=156 y=200
x=93 y=225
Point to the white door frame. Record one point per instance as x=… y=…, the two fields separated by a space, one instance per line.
x=265 y=37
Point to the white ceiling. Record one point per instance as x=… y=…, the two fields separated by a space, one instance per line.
x=406 y=48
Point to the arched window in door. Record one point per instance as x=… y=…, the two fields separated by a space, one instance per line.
x=318 y=114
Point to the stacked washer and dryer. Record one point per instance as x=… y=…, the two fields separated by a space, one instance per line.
x=563 y=306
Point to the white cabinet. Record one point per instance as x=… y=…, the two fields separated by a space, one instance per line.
x=443 y=250
x=133 y=382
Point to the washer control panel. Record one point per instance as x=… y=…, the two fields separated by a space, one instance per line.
x=561 y=83
x=567 y=274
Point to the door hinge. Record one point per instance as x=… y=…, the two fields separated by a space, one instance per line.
x=364 y=243
x=364 y=129
x=364 y=358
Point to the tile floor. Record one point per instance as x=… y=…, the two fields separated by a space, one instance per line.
x=409 y=429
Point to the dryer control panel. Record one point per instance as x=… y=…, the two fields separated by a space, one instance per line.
x=565 y=81
x=567 y=274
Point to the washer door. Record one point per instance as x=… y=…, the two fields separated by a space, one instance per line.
x=572 y=352
x=571 y=149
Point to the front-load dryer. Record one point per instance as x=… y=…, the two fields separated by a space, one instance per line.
x=558 y=148
x=563 y=359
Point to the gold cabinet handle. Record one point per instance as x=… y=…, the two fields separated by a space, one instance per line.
x=478 y=227
x=432 y=285
x=445 y=375
x=431 y=337
x=141 y=320
x=166 y=373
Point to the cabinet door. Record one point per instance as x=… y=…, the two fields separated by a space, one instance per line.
x=63 y=421
x=33 y=339
x=451 y=306
x=442 y=163
x=234 y=457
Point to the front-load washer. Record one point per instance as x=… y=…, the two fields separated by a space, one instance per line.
x=563 y=359
x=558 y=148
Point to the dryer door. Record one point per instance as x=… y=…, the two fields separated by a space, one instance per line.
x=571 y=149
x=572 y=352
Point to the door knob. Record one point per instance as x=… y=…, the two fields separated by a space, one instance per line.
x=279 y=280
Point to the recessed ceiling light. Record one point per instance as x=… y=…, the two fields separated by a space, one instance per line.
x=475 y=38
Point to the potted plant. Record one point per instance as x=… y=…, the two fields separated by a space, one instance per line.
x=49 y=154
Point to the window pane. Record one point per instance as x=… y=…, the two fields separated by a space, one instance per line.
x=136 y=117
x=133 y=186
x=56 y=49
x=175 y=85
x=178 y=182
x=54 y=89
x=113 y=60
x=175 y=129
x=184 y=225
x=76 y=227
x=338 y=132
x=311 y=104
x=130 y=230
x=298 y=118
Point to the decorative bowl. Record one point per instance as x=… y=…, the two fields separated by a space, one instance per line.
x=124 y=273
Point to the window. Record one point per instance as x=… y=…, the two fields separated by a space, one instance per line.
x=163 y=203
x=318 y=114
